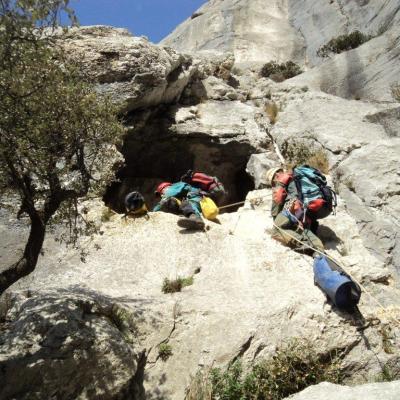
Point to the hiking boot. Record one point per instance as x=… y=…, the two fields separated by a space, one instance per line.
x=193 y=222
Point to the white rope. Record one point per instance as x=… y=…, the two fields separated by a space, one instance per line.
x=341 y=266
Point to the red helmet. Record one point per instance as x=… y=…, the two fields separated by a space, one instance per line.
x=161 y=187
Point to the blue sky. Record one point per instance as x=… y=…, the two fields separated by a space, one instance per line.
x=152 y=18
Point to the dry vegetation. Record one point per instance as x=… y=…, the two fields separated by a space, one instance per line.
x=272 y=111
x=298 y=153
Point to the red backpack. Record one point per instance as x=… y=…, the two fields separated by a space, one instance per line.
x=204 y=182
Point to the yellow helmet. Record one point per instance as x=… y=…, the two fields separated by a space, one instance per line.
x=271 y=174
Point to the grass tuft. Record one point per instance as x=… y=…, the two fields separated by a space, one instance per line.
x=164 y=351
x=176 y=285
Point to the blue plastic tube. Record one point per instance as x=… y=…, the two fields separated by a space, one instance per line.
x=339 y=288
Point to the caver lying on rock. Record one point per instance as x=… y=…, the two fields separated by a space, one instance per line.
x=193 y=196
x=299 y=199
x=181 y=198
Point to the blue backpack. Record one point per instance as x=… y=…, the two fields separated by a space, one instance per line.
x=318 y=199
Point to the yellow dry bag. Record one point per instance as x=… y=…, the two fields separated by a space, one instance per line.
x=209 y=208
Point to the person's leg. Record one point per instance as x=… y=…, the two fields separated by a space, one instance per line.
x=189 y=207
x=192 y=211
x=285 y=231
x=312 y=240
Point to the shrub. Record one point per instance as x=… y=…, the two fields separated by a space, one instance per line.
x=293 y=368
x=280 y=72
x=297 y=153
x=164 y=351
x=343 y=43
x=176 y=285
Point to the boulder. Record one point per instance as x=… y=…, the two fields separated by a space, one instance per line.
x=258 y=165
x=68 y=345
x=135 y=72
x=370 y=391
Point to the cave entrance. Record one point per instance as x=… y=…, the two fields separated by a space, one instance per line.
x=154 y=154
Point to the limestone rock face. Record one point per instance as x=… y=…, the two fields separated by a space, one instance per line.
x=132 y=70
x=279 y=30
x=368 y=72
x=67 y=345
x=372 y=391
x=251 y=30
x=249 y=294
x=283 y=30
x=371 y=185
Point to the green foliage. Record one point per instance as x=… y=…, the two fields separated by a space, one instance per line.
x=164 y=351
x=279 y=72
x=343 y=43
x=389 y=373
x=293 y=368
x=298 y=153
x=57 y=136
x=176 y=285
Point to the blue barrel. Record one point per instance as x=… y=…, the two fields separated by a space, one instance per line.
x=340 y=289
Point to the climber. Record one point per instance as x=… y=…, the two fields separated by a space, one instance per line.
x=181 y=198
x=299 y=199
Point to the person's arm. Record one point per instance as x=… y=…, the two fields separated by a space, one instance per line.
x=157 y=207
x=178 y=190
x=279 y=194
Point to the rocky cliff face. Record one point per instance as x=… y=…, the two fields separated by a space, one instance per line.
x=256 y=31
x=250 y=294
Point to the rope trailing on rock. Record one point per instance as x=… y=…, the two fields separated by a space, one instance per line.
x=341 y=266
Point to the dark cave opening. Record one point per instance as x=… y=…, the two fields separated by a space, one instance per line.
x=154 y=153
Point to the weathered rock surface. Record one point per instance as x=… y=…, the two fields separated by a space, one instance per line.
x=282 y=30
x=250 y=296
x=132 y=70
x=370 y=183
x=252 y=31
x=368 y=72
x=291 y=30
x=68 y=345
x=371 y=391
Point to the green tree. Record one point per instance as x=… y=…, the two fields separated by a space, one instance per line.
x=57 y=137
